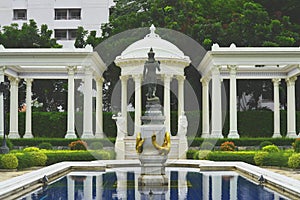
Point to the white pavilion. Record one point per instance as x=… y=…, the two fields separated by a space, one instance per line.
x=220 y=63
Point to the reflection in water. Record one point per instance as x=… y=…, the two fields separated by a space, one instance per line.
x=120 y=184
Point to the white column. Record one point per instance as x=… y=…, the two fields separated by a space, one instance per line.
x=88 y=105
x=276 y=82
x=233 y=188
x=216 y=109
x=205 y=107
x=216 y=187
x=137 y=104
x=2 y=69
x=233 y=132
x=136 y=185
x=180 y=95
x=28 y=131
x=182 y=185
x=124 y=102
x=99 y=108
x=167 y=102
x=99 y=187
x=13 y=126
x=71 y=103
x=121 y=184
x=205 y=187
x=291 y=108
x=88 y=187
x=71 y=187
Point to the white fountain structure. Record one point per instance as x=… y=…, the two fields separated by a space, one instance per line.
x=172 y=65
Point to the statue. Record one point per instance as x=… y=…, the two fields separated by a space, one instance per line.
x=120 y=121
x=149 y=74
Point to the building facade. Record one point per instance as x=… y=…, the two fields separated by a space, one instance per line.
x=61 y=16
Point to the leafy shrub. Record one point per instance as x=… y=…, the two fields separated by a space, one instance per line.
x=9 y=161
x=25 y=160
x=31 y=149
x=244 y=156
x=206 y=146
x=190 y=153
x=271 y=148
x=46 y=145
x=227 y=146
x=296 y=145
x=202 y=155
x=259 y=158
x=294 y=161
x=278 y=159
x=38 y=158
x=265 y=143
x=78 y=145
x=96 y=146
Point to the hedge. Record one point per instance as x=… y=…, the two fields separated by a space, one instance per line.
x=196 y=142
x=25 y=159
x=57 y=141
x=68 y=155
x=245 y=156
x=54 y=124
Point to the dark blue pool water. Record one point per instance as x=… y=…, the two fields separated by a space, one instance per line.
x=182 y=185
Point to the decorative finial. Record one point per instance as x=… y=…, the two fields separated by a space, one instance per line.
x=152 y=29
x=152 y=33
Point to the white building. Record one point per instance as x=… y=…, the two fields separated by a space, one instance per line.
x=63 y=16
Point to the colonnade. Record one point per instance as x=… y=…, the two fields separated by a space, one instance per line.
x=216 y=105
x=167 y=78
x=87 y=105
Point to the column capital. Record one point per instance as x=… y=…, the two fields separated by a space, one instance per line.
x=167 y=77
x=276 y=81
x=205 y=81
x=216 y=70
x=124 y=77
x=137 y=77
x=100 y=80
x=232 y=69
x=13 y=80
x=180 y=77
x=291 y=80
x=71 y=69
x=2 y=69
x=28 y=81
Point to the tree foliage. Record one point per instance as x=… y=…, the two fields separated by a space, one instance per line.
x=28 y=36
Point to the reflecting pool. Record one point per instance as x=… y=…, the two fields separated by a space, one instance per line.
x=184 y=183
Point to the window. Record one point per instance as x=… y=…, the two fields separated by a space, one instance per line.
x=20 y=14
x=67 y=14
x=65 y=34
x=60 y=34
x=61 y=14
x=74 y=14
x=72 y=34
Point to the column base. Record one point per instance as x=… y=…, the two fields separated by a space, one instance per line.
x=276 y=135
x=99 y=135
x=70 y=134
x=28 y=135
x=291 y=135
x=205 y=135
x=87 y=134
x=216 y=134
x=13 y=135
x=233 y=134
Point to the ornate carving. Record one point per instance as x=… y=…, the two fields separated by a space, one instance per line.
x=139 y=143
x=165 y=148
